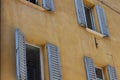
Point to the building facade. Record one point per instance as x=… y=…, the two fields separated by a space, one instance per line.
x=60 y=40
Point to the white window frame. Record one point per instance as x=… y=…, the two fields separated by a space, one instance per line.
x=41 y=59
x=102 y=72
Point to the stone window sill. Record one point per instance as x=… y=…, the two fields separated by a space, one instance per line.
x=32 y=5
x=95 y=33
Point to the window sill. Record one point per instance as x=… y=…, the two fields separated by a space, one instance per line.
x=95 y=33
x=32 y=5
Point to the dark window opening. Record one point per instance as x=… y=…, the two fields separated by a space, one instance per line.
x=88 y=12
x=33 y=1
x=33 y=63
x=99 y=74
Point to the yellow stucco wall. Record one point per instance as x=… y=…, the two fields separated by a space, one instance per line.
x=60 y=28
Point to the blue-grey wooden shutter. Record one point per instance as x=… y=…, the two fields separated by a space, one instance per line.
x=112 y=73
x=20 y=56
x=80 y=13
x=102 y=21
x=90 y=69
x=54 y=62
x=48 y=4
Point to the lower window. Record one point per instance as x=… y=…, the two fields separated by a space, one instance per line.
x=33 y=63
x=99 y=73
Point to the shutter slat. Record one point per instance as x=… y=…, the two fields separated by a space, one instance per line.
x=54 y=62
x=112 y=73
x=48 y=4
x=90 y=69
x=102 y=21
x=80 y=13
x=20 y=56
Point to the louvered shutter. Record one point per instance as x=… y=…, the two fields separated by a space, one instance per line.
x=48 y=4
x=80 y=12
x=112 y=73
x=102 y=20
x=21 y=56
x=90 y=69
x=54 y=62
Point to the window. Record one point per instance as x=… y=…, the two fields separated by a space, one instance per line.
x=96 y=73
x=89 y=17
x=33 y=63
x=99 y=73
x=46 y=4
x=33 y=1
x=85 y=18
x=29 y=60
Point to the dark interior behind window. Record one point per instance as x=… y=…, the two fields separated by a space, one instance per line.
x=33 y=63
x=88 y=17
x=33 y=1
x=99 y=73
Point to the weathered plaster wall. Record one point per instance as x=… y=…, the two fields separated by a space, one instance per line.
x=60 y=28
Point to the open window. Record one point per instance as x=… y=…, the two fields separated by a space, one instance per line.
x=89 y=17
x=87 y=12
x=29 y=59
x=33 y=1
x=33 y=59
x=99 y=73
x=46 y=4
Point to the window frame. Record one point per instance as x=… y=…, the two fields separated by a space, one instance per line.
x=41 y=58
x=102 y=72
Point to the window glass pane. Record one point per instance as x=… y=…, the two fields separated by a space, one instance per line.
x=33 y=63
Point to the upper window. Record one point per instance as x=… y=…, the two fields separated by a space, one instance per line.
x=89 y=17
x=33 y=1
x=46 y=4
x=86 y=18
